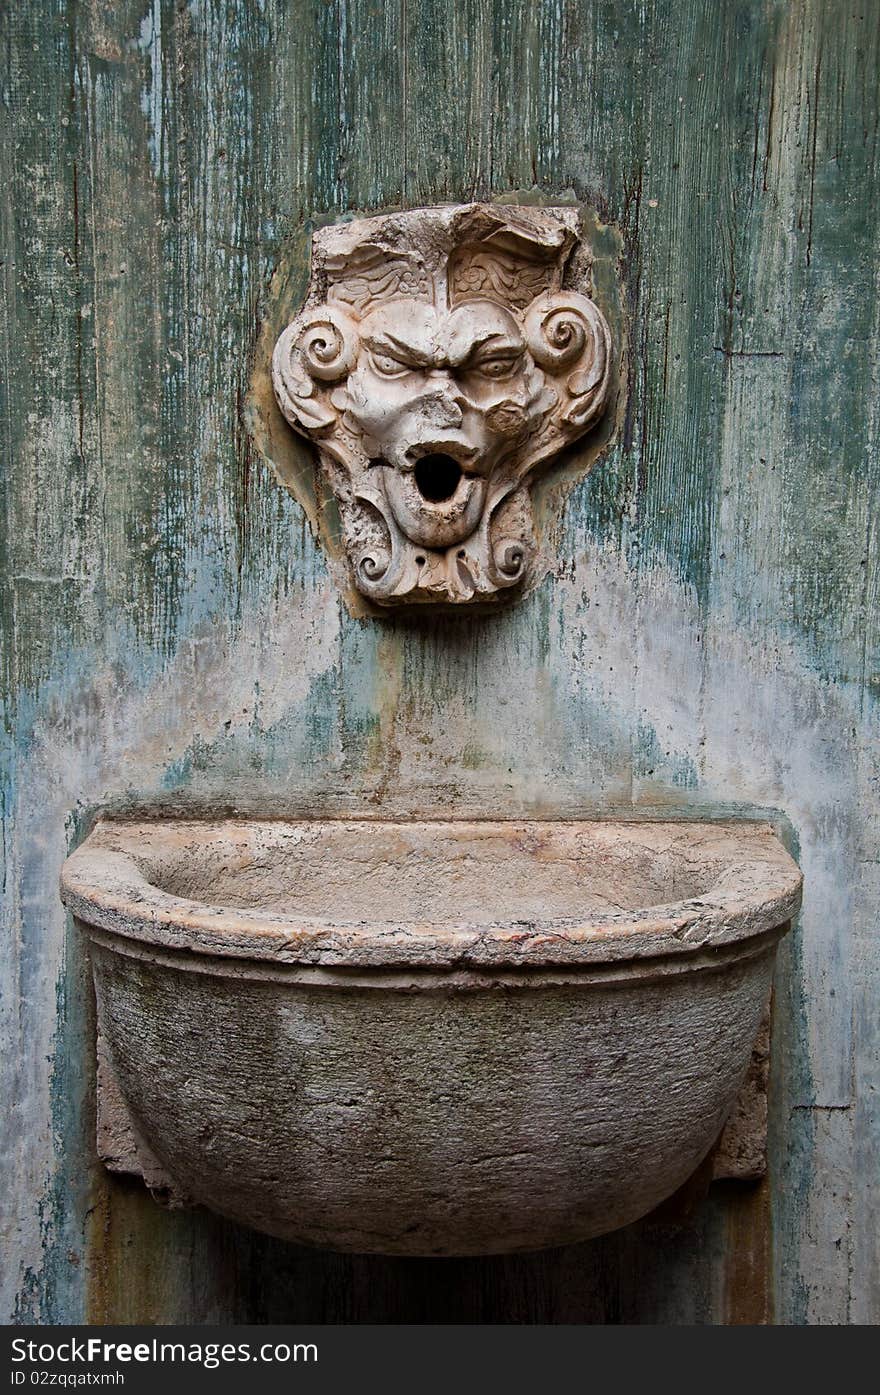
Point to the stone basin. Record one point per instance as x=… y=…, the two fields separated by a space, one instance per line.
x=436 y=1037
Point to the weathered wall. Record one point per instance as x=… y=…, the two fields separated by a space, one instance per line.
x=708 y=639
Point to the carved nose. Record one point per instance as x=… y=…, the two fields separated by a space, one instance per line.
x=442 y=405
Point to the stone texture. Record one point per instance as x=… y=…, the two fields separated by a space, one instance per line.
x=741 y=1154
x=120 y=1146
x=539 y=1046
x=434 y=893
x=443 y=356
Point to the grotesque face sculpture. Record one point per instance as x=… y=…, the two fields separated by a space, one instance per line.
x=437 y=362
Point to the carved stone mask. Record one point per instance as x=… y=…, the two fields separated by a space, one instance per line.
x=437 y=362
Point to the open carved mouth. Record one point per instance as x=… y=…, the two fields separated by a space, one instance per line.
x=438 y=467
x=437 y=477
x=436 y=473
x=435 y=499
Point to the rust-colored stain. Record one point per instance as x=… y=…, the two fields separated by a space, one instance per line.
x=748 y=1289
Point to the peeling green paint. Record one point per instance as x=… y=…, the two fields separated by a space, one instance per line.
x=707 y=639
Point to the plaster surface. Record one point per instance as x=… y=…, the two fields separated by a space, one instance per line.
x=706 y=638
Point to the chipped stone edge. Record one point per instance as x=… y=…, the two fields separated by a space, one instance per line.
x=119 y=1144
x=741 y=1151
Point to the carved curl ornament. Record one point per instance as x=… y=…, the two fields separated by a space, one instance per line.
x=439 y=360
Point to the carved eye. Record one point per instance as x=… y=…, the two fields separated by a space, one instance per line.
x=497 y=366
x=388 y=365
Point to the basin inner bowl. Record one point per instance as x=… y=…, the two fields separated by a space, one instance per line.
x=432 y=891
x=437 y=873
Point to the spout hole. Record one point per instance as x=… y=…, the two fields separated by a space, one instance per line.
x=420 y=561
x=437 y=477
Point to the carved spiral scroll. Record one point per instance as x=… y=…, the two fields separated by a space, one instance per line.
x=328 y=343
x=378 y=563
x=566 y=330
x=319 y=347
x=510 y=556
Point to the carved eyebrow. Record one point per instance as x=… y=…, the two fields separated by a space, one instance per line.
x=387 y=343
x=505 y=348
x=494 y=342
